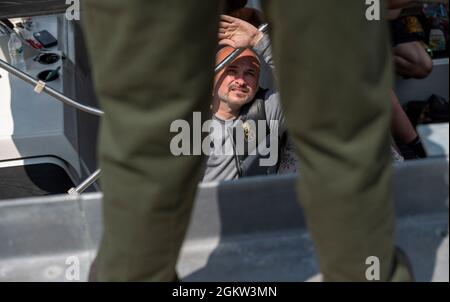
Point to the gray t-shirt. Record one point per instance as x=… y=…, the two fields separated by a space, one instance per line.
x=264 y=51
x=223 y=166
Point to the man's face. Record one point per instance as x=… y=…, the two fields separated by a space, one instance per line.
x=237 y=84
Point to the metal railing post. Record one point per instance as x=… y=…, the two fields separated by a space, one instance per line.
x=50 y=91
x=85 y=184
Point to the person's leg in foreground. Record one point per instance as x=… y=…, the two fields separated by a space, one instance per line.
x=153 y=63
x=334 y=72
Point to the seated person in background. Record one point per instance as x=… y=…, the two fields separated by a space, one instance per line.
x=238 y=33
x=237 y=102
x=411 y=61
x=410 y=57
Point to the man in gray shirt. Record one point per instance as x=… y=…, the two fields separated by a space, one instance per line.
x=238 y=98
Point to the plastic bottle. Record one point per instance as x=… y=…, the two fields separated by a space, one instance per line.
x=437 y=37
x=28 y=37
x=16 y=52
x=437 y=40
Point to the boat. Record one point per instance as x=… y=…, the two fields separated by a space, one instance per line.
x=50 y=200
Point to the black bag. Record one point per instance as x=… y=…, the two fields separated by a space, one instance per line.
x=434 y=110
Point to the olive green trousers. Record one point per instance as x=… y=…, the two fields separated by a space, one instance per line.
x=153 y=64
